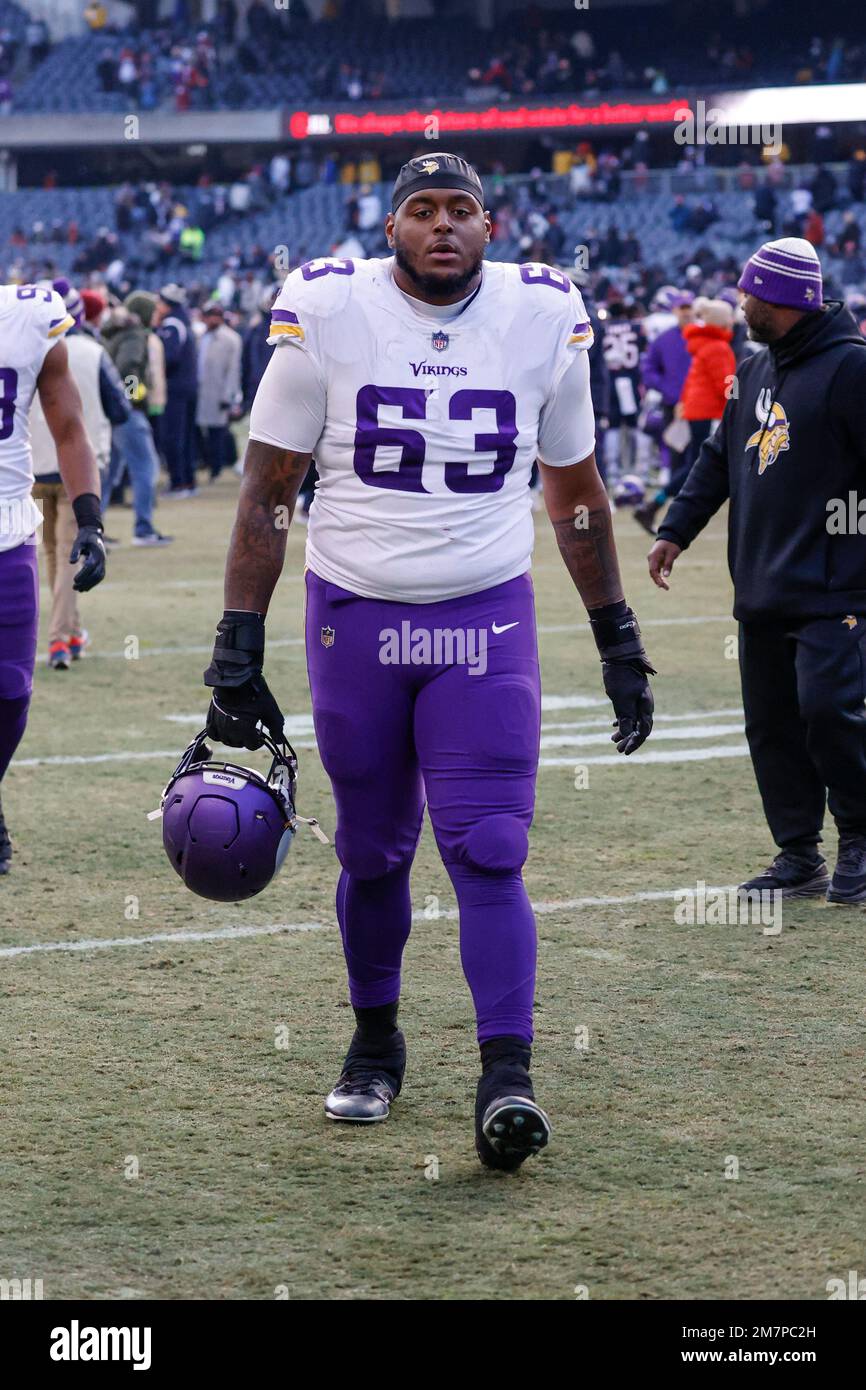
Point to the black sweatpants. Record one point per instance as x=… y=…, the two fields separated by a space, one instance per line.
x=804 y=686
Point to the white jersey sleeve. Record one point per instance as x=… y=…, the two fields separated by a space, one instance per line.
x=566 y=429
x=291 y=402
x=32 y=320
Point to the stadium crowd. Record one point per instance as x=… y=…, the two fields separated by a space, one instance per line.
x=205 y=57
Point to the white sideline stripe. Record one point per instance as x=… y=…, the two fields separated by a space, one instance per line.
x=678 y=755
x=233 y=933
x=185 y=651
x=220 y=934
x=657 y=719
x=686 y=731
x=294 y=723
x=76 y=760
x=644 y=623
x=278 y=642
x=548 y=740
x=303 y=723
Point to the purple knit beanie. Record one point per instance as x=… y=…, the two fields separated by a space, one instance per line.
x=785 y=272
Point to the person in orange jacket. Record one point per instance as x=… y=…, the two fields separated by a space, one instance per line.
x=708 y=383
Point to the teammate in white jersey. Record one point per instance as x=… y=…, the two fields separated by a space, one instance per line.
x=426 y=385
x=33 y=321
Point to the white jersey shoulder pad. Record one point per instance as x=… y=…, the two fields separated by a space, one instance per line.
x=38 y=309
x=315 y=291
x=548 y=297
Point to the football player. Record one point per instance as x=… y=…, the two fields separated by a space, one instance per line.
x=623 y=343
x=33 y=356
x=426 y=384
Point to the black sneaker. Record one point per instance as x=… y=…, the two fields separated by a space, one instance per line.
x=646 y=514
x=371 y=1079
x=793 y=874
x=5 y=846
x=509 y=1126
x=152 y=539
x=849 y=876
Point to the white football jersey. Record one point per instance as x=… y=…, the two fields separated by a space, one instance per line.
x=31 y=321
x=424 y=427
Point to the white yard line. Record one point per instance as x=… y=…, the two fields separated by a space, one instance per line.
x=546 y=628
x=678 y=755
x=551 y=737
x=733 y=713
x=279 y=642
x=185 y=651
x=281 y=928
x=684 y=731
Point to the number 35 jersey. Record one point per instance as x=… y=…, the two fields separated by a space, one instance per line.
x=425 y=421
x=32 y=318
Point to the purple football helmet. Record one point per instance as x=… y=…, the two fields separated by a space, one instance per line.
x=629 y=491
x=227 y=828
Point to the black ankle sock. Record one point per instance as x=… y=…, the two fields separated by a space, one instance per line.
x=377 y=1024
x=506 y=1048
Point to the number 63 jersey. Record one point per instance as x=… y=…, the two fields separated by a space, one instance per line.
x=425 y=420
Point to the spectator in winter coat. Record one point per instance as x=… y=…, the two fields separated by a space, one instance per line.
x=219 y=385
x=666 y=363
x=171 y=321
x=103 y=403
x=713 y=367
x=137 y=354
x=256 y=354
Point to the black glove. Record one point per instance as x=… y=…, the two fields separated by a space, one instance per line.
x=242 y=705
x=88 y=543
x=625 y=667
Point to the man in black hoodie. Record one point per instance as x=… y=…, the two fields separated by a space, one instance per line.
x=790 y=454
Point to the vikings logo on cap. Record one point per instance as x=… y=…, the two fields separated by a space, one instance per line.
x=429 y=166
x=774 y=436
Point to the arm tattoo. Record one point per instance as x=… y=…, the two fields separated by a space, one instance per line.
x=587 y=546
x=271 y=482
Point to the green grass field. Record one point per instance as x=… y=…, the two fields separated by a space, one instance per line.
x=705 y=1043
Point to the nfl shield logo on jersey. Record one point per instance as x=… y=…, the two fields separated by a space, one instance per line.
x=439 y=340
x=327 y=637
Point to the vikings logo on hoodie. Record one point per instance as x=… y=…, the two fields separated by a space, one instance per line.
x=774 y=437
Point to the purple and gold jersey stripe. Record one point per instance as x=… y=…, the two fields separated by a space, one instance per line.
x=58 y=326
x=283 y=321
x=580 y=333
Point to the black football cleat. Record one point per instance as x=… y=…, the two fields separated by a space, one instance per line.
x=371 y=1079
x=793 y=874
x=848 y=884
x=5 y=846
x=509 y=1126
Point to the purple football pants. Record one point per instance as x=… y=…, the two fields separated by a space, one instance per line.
x=427 y=701
x=19 y=619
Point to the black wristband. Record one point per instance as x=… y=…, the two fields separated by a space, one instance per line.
x=616 y=632
x=88 y=511
x=239 y=649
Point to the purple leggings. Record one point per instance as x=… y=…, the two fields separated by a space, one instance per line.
x=19 y=619
x=415 y=702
